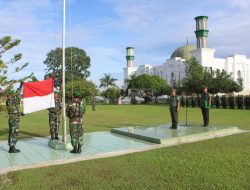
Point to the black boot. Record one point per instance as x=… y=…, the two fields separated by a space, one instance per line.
x=79 y=150
x=74 y=150
x=16 y=150
x=56 y=136
x=11 y=150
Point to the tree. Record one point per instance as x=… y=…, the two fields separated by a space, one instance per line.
x=107 y=81
x=145 y=81
x=6 y=43
x=112 y=94
x=86 y=88
x=217 y=81
x=77 y=64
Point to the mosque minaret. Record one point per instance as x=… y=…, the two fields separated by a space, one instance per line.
x=173 y=69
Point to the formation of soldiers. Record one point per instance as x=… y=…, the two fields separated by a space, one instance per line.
x=232 y=102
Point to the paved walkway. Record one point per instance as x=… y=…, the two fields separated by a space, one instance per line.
x=35 y=152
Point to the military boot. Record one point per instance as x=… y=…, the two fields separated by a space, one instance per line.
x=16 y=150
x=74 y=150
x=79 y=150
x=11 y=150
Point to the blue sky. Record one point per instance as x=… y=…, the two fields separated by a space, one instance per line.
x=104 y=28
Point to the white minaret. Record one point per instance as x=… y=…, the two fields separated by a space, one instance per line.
x=130 y=56
x=130 y=69
x=201 y=31
x=203 y=54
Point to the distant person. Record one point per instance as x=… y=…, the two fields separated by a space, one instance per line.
x=12 y=105
x=93 y=103
x=75 y=112
x=205 y=105
x=174 y=106
x=54 y=117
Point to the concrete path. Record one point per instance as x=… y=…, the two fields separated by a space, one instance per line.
x=36 y=153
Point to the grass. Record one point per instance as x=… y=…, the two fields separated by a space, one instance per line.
x=221 y=163
x=110 y=116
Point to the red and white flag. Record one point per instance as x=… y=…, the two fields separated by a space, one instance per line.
x=38 y=95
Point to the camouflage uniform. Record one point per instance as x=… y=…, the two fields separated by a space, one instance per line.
x=54 y=119
x=12 y=105
x=75 y=113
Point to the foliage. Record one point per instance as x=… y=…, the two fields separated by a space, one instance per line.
x=86 y=88
x=217 y=81
x=145 y=81
x=112 y=94
x=107 y=81
x=6 y=44
x=78 y=70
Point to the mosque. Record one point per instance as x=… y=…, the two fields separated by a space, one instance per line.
x=173 y=69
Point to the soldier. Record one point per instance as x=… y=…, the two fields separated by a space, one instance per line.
x=174 y=106
x=193 y=101
x=205 y=105
x=12 y=105
x=231 y=102
x=75 y=112
x=217 y=101
x=93 y=103
x=246 y=102
x=54 y=117
x=182 y=101
x=198 y=101
x=224 y=102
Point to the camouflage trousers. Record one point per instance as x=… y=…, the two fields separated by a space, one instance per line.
x=76 y=134
x=13 y=129
x=54 y=123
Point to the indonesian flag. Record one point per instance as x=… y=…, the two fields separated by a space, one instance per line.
x=38 y=95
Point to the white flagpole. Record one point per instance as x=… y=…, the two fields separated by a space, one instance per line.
x=63 y=74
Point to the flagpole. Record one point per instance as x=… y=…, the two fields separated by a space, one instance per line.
x=63 y=74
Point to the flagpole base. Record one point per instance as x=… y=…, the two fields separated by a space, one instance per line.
x=59 y=145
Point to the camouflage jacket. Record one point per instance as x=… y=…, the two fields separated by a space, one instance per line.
x=75 y=112
x=12 y=104
x=57 y=109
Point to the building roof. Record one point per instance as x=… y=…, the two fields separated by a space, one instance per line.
x=184 y=52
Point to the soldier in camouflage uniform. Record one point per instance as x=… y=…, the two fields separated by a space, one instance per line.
x=54 y=117
x=12 y=105
x=75 y=112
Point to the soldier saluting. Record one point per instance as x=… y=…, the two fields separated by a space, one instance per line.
x=54 y=117
x=205 y=105
x=75 y=112
x=12 y=105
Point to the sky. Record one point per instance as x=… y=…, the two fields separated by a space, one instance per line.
x=104 y=28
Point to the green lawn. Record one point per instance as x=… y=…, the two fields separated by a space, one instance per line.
x=221 y=163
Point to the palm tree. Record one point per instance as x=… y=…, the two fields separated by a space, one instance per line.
x=107 y=81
